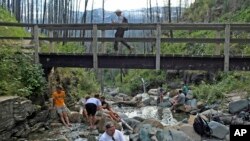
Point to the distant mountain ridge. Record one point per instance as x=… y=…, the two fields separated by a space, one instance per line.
x=134 y=16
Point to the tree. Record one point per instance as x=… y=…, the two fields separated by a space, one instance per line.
x=84 y=18
x=169 y=16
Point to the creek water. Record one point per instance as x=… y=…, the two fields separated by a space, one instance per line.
x=164 y=115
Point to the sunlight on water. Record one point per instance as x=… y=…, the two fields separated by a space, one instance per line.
x=144 y=112
x=163 y=115
x=167 y=117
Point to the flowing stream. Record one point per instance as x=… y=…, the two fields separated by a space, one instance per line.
x=163 y=115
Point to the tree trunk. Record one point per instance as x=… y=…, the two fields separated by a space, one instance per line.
x=37 y=11
x=84 y=19
x=92 y=12
x=32 y=12
x=180 y=12
x=169 y=17
x=44 y=11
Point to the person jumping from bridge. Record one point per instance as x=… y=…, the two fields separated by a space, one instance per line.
x=120 y=31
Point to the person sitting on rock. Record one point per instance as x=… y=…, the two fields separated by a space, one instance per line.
x=104 y=103
x=58 y=102
x=111 y=133
x=178 y=102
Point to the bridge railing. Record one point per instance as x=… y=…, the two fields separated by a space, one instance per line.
x=158 y=39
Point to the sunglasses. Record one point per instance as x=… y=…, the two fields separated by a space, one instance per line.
x=113 y=138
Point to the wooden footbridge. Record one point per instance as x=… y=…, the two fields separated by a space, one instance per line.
x=156 y=61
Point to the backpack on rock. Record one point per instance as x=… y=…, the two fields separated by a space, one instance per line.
x=201 y=126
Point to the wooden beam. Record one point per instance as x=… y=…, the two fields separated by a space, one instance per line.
x=94 y=47
x=51 y=44
x=36 y=40
x=140 y=26
x=158 y=47
x=226 y=48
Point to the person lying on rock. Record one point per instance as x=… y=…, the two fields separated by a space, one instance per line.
x=108 y=110
x=113 y=115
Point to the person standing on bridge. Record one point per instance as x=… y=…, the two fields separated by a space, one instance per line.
x=120 y=31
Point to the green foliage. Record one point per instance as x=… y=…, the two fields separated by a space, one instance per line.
x=132 y=82
x=226 y=83
x=19 y=75
x=66 y=48
x=197 y=11
x=190 y=48
x=5 y=16
x=242 y=16
x=213 y=10
x=82 y=82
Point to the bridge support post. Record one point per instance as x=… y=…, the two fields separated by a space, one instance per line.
x=36 y=40
x=94 y=48
x=218 y=45
x=100 y=72
x=51 y=44
x=226 y=48
x=158 y=47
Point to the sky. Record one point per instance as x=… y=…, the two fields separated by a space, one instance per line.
x=112 y=5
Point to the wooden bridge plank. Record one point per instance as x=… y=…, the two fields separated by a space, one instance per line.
x=168 y=62
x=101 y=39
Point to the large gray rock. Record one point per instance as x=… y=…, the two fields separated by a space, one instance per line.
x=237 y=106
x=165 y=104
x=144 y=133
x=132 y=122
x=42 y=116
x=153 y=92
x=151 y=121
x=147 y=101
x=134 y=137
x=189 y=130
x=7 y=120
x=218 y=130
x=172 y=135
x=22 y=109
x=14 y=110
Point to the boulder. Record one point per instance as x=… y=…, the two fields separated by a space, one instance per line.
x=75 y=117
x=153 y=122
x=218 y=130
x=237 y=106
x=101 y=124
x=144 y=132
x=189 y=130
x=153 y=92
x=172 y=135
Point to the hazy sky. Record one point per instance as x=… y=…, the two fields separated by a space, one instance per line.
x=112 y=5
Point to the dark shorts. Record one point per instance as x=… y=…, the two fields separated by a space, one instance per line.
x=91 y=108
